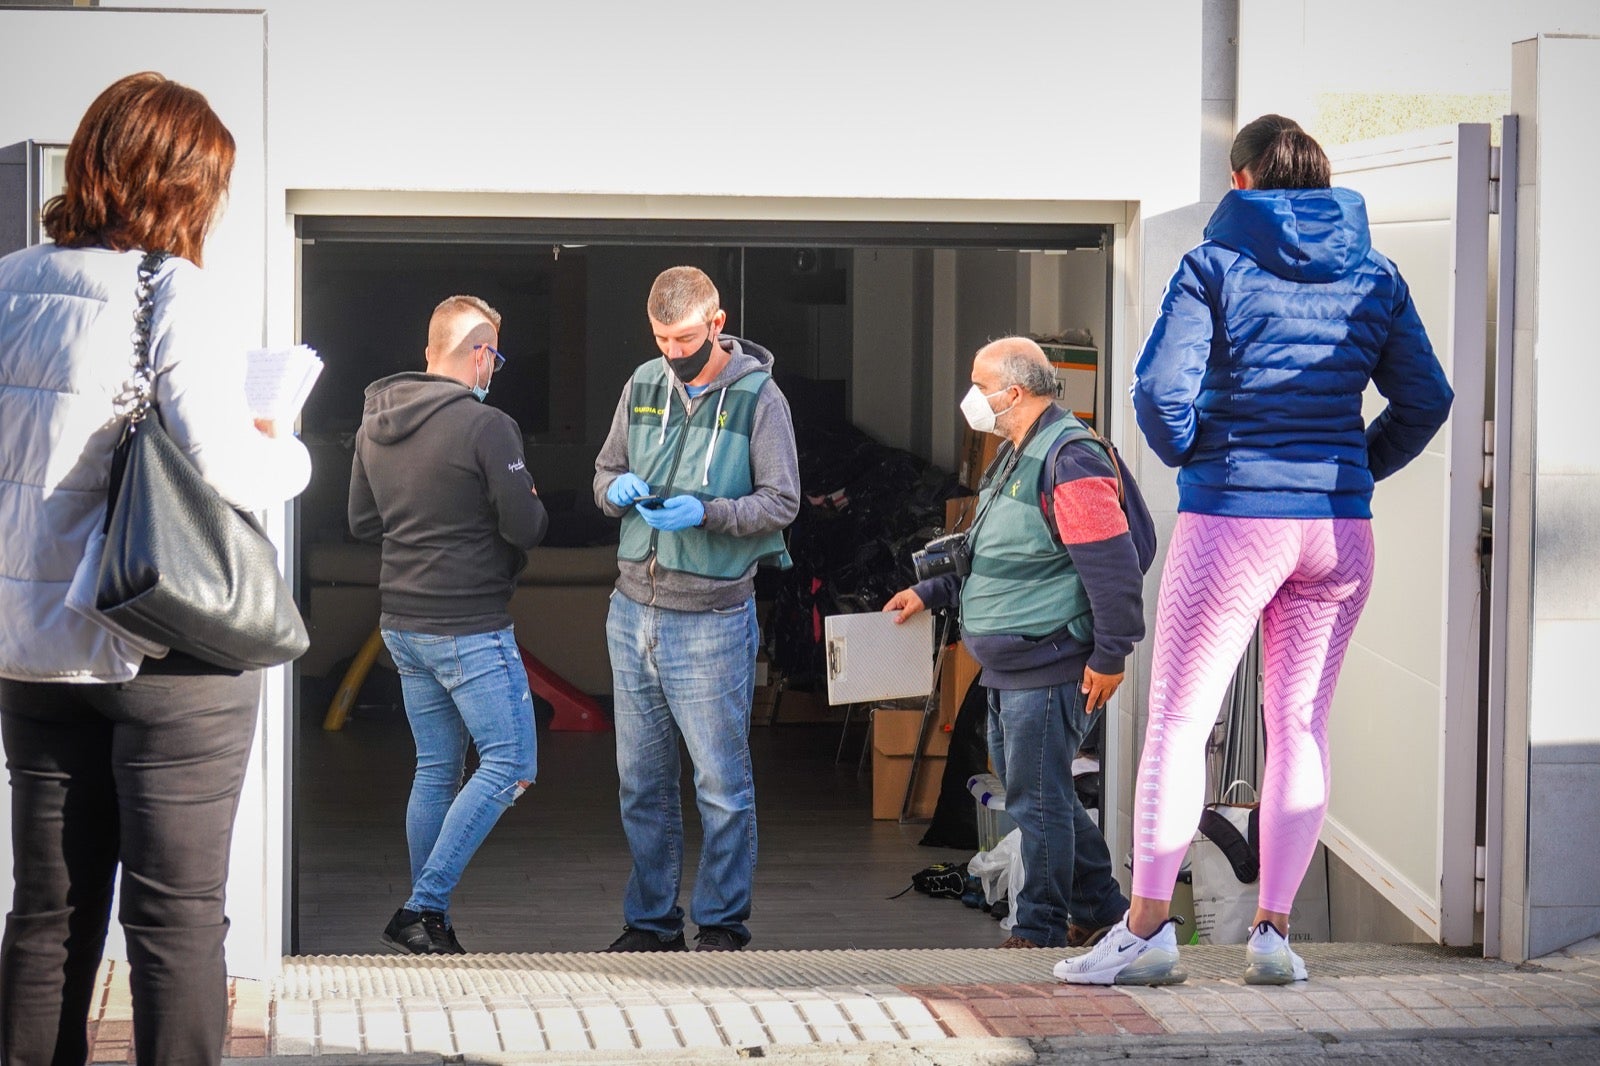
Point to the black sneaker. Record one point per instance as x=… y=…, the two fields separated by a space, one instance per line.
x=718 y=938
x=644 y=940
x=407 y=934
x=442 y=934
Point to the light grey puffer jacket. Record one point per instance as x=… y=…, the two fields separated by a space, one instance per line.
x=66 y=322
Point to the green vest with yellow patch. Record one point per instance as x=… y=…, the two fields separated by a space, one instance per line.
x=706 y=455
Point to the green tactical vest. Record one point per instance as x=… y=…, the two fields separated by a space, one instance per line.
x=671 y=458
x=1023 y=582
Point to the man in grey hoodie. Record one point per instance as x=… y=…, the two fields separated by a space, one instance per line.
x=700 y=465
x=439 y=478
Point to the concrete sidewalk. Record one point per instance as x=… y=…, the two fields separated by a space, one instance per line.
x=1366 y=1002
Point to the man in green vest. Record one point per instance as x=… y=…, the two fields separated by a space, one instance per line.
x=700 y=466
x=1051 y=609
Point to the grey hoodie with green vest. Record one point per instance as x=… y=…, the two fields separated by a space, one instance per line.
x=733 y=448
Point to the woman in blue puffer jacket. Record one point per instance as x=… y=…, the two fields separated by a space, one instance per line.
x=1251 y=384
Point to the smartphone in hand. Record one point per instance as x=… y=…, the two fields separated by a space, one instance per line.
x=651 y=502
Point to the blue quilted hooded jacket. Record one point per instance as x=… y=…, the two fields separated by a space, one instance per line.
x=1251 y=381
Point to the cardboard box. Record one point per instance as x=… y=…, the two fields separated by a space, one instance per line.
x=959 y=511
x=894 y=736
x=956 y=676
x=1077 y=378
x=977 y=452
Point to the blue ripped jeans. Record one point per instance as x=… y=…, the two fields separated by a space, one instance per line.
x=1067 y=873
x=688 y=674
x=459 y=689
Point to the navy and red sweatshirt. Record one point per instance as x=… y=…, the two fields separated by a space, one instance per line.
x=1080 y=501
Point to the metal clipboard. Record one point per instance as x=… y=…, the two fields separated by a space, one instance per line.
x=870 y=658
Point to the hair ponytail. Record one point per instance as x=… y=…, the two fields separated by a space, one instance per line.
x=1280 y=155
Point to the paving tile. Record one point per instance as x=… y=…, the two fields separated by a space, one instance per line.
x=338 y=1027
x=696 y=1027
x=1570 y=1015
x=826 y=1019
x=383 y=1028
x=997 y=1008
x=474 y=1029
x=1310 y=1020
x=563 y=1028
x=1016 y=1027
x=430 y=1030
x=1414 y=998
x=1145 y=1026
x=294 y=1045
x=518 y=1026
x=1372 y=999
x=1269 y=1023
x=246 y=1047
x=1035 y=1008
x=922 y=1030
x=739 y=1024
x=1396 y=1018
x=1455 y=997
x=607 y=1028
x=294 y=1020
x=1438 y=1017
x=1228 y=1023
x=960 y=1020
x=784 y=1021
x=652 y=1027
x=1327 y=999
x=1487 y=1017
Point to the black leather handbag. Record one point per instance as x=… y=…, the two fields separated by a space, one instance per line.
x=183 y=567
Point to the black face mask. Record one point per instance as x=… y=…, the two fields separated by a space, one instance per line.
x=689 y=367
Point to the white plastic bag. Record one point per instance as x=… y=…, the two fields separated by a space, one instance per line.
x=999 y=870
x=1223 y=905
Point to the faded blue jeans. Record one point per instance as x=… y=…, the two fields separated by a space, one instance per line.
x=1067 y=873
x=688 y=674
x=459 y=689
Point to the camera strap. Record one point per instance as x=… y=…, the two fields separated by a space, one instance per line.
x=999 y=470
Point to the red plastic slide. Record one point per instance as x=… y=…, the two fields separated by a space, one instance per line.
x=575 y=711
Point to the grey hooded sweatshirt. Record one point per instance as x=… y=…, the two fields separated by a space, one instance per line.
x=772 y=505
x=440 y=478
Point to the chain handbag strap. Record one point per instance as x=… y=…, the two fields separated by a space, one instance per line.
x=134 y=400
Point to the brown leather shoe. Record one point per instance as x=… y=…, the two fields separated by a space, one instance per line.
x=1081 y=936
x=1018 y=942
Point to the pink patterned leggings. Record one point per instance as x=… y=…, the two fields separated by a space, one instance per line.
x=1307 y=580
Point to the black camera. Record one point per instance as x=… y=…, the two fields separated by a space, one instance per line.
x=949 y=554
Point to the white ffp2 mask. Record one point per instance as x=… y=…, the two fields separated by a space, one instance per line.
x=975 y=406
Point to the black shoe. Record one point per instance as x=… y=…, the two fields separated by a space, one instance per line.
x=644 y=940
x=442 y=934
x=718 y=938
x=407 y=934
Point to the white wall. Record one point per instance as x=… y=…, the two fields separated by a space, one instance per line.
x=1378 y=46
x=836 y=98
x=1552 y=731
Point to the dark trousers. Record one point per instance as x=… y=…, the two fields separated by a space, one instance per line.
x=148 y=774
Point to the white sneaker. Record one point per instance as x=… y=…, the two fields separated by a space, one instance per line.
x=1120 y=958
x=1269 y=960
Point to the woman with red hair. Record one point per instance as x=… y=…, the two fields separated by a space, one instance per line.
x=116 y=757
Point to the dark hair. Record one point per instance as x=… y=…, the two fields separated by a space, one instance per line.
x=147 y=169
x=1280 y=155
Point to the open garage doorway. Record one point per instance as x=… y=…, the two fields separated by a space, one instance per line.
x=872 y=325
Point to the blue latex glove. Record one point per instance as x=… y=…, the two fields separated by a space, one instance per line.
x=625 y=489
x=678 y=512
